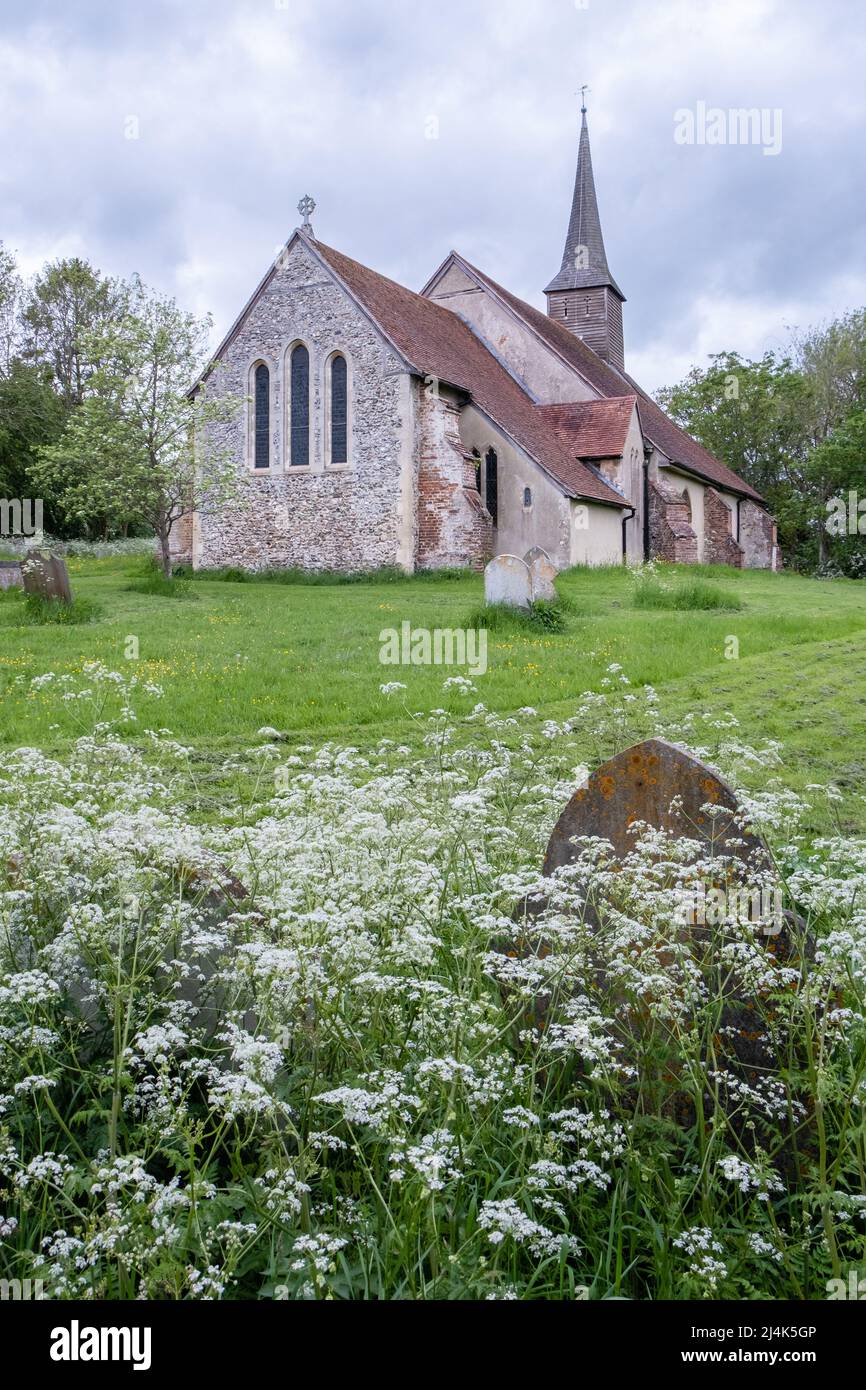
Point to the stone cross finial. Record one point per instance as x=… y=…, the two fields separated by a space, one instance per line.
x=306 y=206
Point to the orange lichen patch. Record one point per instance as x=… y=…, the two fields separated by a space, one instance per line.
x=710 y=788
x=607 y=786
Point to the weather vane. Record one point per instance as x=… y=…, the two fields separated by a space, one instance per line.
x=306 y=207
x=583 y=91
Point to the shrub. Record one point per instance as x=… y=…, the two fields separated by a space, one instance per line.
x=545 y=614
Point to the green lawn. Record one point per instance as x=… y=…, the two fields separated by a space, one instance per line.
x=305 y=659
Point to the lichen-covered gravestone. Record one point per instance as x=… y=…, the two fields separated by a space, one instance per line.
x=667 y=788
x=46 y=576
x=542 y=572
x=507 y=580
x=10 y=574
x=658 y=785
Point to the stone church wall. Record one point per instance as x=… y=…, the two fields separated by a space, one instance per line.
x=348 y=517
x=545 y=521
x=758 y=537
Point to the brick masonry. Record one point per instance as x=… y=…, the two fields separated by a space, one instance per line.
x=671 y=535
x=454 y=527
x=720 y=547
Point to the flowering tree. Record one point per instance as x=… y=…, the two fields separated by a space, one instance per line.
x=138 y=445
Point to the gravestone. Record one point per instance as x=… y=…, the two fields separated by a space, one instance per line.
x=662 y=786
x=542 y=572
x=46 y=576
x=507 y=580
x=10 y=574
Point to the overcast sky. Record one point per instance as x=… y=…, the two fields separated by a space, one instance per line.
x=242 y=106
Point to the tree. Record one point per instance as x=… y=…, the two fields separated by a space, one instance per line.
x=832 y=357
x=747 y=413
x=751 y=415
x=31 y=416
x=66 y=303
x=770 y=420
x=839 y=467
x=139 y=446
x=10 y=295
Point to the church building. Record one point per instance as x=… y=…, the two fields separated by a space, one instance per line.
x=384 y=427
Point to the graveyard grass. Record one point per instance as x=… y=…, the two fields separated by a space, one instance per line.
x=232 y=658
x=270 y=1029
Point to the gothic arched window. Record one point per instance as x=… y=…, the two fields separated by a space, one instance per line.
x=261 y=417
x=491 y=484
x=299 y=407
x=338 y=396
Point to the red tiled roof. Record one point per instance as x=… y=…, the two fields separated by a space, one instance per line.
x=436 y=342
x=595 y=429
x=678 y=446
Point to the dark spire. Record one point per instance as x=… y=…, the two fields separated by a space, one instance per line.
x=584 y=297
x=584 y=261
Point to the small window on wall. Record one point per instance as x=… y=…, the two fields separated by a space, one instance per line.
x=339 y=406
x=477 y=457
x=527 y=497
x=491 y=484
x=261 y=416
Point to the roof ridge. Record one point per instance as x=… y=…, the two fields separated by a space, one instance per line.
x=607 y=376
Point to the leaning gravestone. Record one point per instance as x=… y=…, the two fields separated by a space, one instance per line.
x=542 y=572
x=507 y=580
x=658 y=785
x=10 y=574
x=46 y=576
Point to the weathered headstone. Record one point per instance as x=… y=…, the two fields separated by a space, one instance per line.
x=659 y=785
x=664 y=786
x=507 y=580
x=10 y=574
x=542 y=572
x=46 y=576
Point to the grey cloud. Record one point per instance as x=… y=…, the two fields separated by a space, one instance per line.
x=244 y=106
